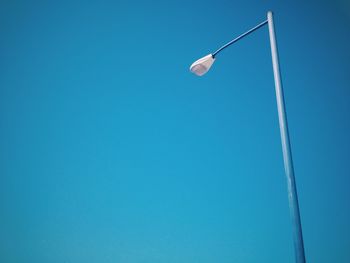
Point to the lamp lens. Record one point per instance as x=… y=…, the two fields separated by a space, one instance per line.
x=199 y=69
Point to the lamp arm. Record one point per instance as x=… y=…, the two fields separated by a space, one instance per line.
x=239 y=37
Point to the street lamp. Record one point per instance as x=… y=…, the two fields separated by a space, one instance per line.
x=201 y=66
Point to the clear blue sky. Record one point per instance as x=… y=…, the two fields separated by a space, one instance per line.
x=111 y=151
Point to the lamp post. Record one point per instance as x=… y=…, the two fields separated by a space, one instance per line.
x=201 y=66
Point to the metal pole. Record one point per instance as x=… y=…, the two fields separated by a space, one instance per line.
x=287 y=155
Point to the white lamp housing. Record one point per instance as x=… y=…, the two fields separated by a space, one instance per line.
x=202 y=65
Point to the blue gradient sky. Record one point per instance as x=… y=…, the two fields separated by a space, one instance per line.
x=111 y=151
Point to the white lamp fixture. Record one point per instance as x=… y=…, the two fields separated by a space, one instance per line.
x=202 y=65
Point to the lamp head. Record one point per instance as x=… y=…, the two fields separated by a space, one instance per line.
x=202 y=65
